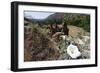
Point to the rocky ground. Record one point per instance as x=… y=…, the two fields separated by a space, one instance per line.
x=82 y=40
x=39 y=47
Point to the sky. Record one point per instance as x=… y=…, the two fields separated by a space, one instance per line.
x=37 y=15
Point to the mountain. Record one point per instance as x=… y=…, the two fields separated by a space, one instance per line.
x=58 y=18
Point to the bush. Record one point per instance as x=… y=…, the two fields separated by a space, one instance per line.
x=78 y=20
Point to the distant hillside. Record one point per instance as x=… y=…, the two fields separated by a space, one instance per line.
x=76 y=19
x=57 y=17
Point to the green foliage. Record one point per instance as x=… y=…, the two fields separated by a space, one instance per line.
x=86 y=23
x=54 y=21
x=62 y=46
x=42 y=29
x=78 y=20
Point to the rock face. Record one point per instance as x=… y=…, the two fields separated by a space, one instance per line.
x=38 y=47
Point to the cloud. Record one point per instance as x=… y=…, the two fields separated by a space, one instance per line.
x=37 y=15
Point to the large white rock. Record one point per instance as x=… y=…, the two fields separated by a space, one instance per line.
x=73 y=51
